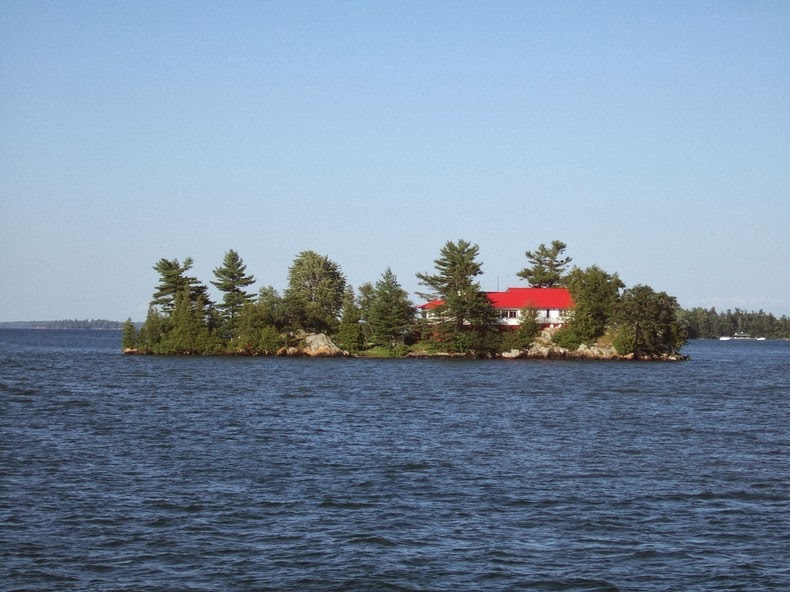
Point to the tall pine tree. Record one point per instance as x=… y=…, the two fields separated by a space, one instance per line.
x=172 y=282
x=467 y=319
x=391 y=313
x=349 y=333
x=547 y=266
x=231 y=280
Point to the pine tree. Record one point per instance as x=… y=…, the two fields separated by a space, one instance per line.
x=528 y=328
x=189 y=332
x=232 y=279
x=391 y=313
x=151 y=332
x=173 y=280
x=349 y=334
x=467 y=317
x=547 y=266
x=314 y=297
x=129 y=339
x=257 y=330
x=365 y=301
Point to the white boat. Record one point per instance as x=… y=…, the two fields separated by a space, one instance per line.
x=741 y=335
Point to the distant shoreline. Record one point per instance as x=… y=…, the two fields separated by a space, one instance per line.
x=91 y=325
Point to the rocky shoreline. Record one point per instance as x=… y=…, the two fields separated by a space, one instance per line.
x=557 y=353
x=319 y=345
x=311 y=345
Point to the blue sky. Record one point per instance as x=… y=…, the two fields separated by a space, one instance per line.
x=652 y=137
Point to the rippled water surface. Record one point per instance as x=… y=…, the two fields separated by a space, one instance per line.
x=171 y=473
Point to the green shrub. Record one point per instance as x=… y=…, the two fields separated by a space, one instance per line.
x=624 y=341
x=268 y=341
x=566 y=338
x=515 y=339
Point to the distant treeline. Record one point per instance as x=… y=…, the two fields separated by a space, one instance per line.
x=710 y=324
x=64 y=324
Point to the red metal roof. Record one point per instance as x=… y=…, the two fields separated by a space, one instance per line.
x=532 y=297
x=432 y=304
x=517 y=298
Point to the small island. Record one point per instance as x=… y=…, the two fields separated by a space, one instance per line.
x=562 y=313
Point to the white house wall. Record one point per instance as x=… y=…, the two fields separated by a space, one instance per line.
x=552 y=316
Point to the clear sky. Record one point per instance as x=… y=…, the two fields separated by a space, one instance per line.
x=652 y=137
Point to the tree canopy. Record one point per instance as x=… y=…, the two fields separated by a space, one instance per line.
x=314 y=297
x=648 y=323
x=468 y=318
x=350 y=335
x=173 y=280
x=547 y=265
x=231 y=280
x=595 y=294
x=391 y=313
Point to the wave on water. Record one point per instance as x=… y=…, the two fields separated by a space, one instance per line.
x=164 y=473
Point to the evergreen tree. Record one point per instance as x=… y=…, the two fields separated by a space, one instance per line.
x=365 y=301
x=595 y=294
x=129 y=339
x=173 y=280
x=257 y=333
x=529 y=327
x=189 y=332
x=523 y=336
x=391 y=313
x=271 y=307
x=232 y=279
x=314 y=297
x=648 y=323
x=547 y=265
x=349 y=334
x=151 y=332
x=467 y=319
x=269 y=341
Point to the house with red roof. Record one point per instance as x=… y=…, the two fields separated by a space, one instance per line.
x=551 y=306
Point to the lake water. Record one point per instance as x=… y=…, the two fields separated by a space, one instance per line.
x=178 y=473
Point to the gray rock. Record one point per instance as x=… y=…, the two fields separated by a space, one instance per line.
x=318 y=345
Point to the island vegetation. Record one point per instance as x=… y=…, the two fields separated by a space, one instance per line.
x=379 y=320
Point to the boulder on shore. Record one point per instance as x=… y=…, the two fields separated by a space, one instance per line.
x=313 y=345
x=318 y=345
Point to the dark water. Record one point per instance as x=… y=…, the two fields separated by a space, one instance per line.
x=166 y=473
